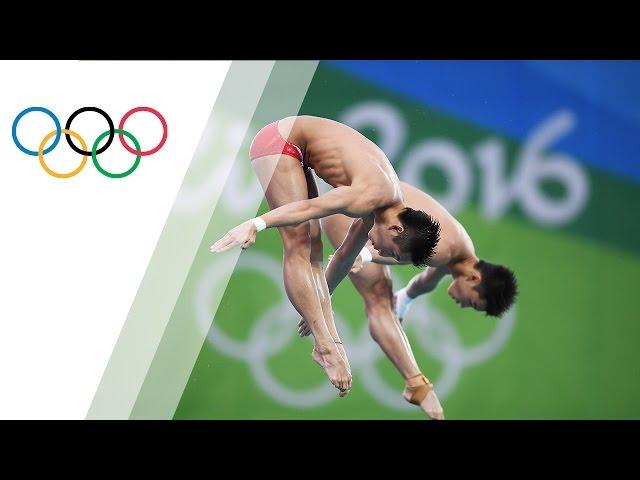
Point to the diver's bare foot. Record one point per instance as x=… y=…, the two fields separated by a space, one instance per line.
x=431 y=406
x=343 y=354
x=419 y=391
x=334 y=366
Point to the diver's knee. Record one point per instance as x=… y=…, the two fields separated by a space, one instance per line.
x=296 y=237
x=379 y=295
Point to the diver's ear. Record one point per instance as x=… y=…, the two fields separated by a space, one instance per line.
x=474 y=276
x=397 y=228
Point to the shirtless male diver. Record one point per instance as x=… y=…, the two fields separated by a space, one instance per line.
x=478 y=284
x=366 y=188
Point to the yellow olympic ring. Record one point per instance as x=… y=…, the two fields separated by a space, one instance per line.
x=53 y=173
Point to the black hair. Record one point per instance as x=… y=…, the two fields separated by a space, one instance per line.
x=420 y=236
x=498 y=287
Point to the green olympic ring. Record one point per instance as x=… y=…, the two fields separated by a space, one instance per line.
x=94 y=156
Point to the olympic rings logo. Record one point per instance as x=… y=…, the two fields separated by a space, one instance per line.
x=95 y=151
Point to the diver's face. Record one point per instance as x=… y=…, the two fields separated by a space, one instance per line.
x=382 y=237
x=462 y=290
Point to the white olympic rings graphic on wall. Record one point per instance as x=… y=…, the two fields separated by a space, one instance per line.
x=276 y=327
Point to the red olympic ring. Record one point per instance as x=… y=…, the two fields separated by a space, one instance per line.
x=164 y=130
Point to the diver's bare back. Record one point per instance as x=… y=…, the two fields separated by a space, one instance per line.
x=342 y=156
x=454 y=241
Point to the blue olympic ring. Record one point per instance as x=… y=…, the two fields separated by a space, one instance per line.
x=14 y=128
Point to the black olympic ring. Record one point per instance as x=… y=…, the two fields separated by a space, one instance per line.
x=90 y=109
